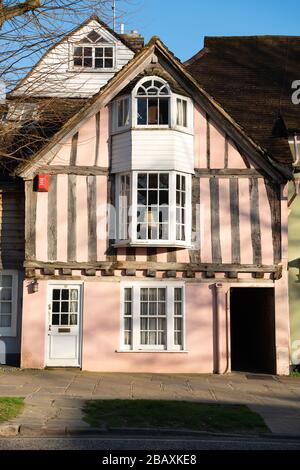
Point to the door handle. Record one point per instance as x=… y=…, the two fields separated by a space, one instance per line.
x=49 y=328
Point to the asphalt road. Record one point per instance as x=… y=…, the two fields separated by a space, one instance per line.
x=138 y=443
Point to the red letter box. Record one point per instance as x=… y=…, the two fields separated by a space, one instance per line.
x=42 y=183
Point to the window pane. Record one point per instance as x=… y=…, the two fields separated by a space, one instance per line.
x=73 y=319
x=87 y=52
x=177 y=293
x=161 y=294
x=127 y=338
x=78 y=61
x=99 y=52
x=64 y=319
x=55 y=306
x=5 y=293
x=142 y=198
x=99 y=63
x=87 y=62
x=65 y=294
x=153 y=180
x=56 y=294
x=108 y=63
x=74 y=294
x=127 y=308
x=65 y=306
x=164 y=181
x=108 y=52
x=74 y=307
x=163 y=111
x=153 y=111
x=5 y=321
x=78 y=52
x=128 y=294
x=163 y=197
x=152 y=294
x=144 y=294
x=55 y=319
x=6 y=281
x=144 y=308
x=142 y=180
x=5 y=307
x=177 y=309
x=142 y=111
x=161 y=308
x=153 y=197
x=141 y=232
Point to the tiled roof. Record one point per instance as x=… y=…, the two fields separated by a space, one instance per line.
x=251 y=78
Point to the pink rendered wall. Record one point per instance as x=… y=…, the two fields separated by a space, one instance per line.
x=86 y=151
x=101 y=334
x=33 y=326
x=217 y=145
x=86 y=146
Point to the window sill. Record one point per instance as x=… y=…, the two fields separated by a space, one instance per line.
x=164 y=351
x=91 y=70
x=151 y=244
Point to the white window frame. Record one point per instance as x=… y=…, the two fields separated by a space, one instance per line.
x=189 y=128
x=136 y=345
x=93 y=68
x=171 y=242
x=135 y=105
x=12 y=330
x=115 y=123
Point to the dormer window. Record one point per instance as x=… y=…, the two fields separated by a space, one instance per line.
x=153 y=102
x=93 y=52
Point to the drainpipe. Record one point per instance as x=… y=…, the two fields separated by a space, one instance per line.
x=219 y=330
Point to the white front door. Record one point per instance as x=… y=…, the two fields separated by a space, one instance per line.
x=63 y=328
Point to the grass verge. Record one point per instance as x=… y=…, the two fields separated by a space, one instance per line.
x=172 y=414
x=10 y=407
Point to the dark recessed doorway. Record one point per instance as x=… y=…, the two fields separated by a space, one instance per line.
x=252 y=330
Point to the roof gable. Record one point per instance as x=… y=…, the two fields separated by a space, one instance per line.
x=154 y=52
x=54 y=75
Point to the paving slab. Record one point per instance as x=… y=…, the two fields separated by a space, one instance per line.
x=54 y=398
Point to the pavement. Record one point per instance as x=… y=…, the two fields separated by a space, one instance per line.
x=54 y=398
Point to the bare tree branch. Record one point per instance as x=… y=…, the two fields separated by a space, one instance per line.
x=9 y=12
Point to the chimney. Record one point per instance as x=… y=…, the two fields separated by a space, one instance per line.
x=134 y=40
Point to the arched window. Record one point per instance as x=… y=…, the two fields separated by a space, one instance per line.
x=153 y=102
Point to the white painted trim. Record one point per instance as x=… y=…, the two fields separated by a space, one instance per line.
x=115 y=126
x=171 y=242
x=11 y=331
x=74 y=68
x=51 y=284
x=136 y=346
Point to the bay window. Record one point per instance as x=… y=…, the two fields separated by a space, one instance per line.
x=154 y=208
x=152 y=317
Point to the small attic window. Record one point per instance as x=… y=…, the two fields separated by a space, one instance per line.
x=93 y=52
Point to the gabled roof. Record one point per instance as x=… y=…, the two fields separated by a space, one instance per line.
x=66 y=37
x=200 y=95
x=251 y=77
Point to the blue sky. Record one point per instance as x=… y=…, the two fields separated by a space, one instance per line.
x=182 y=24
